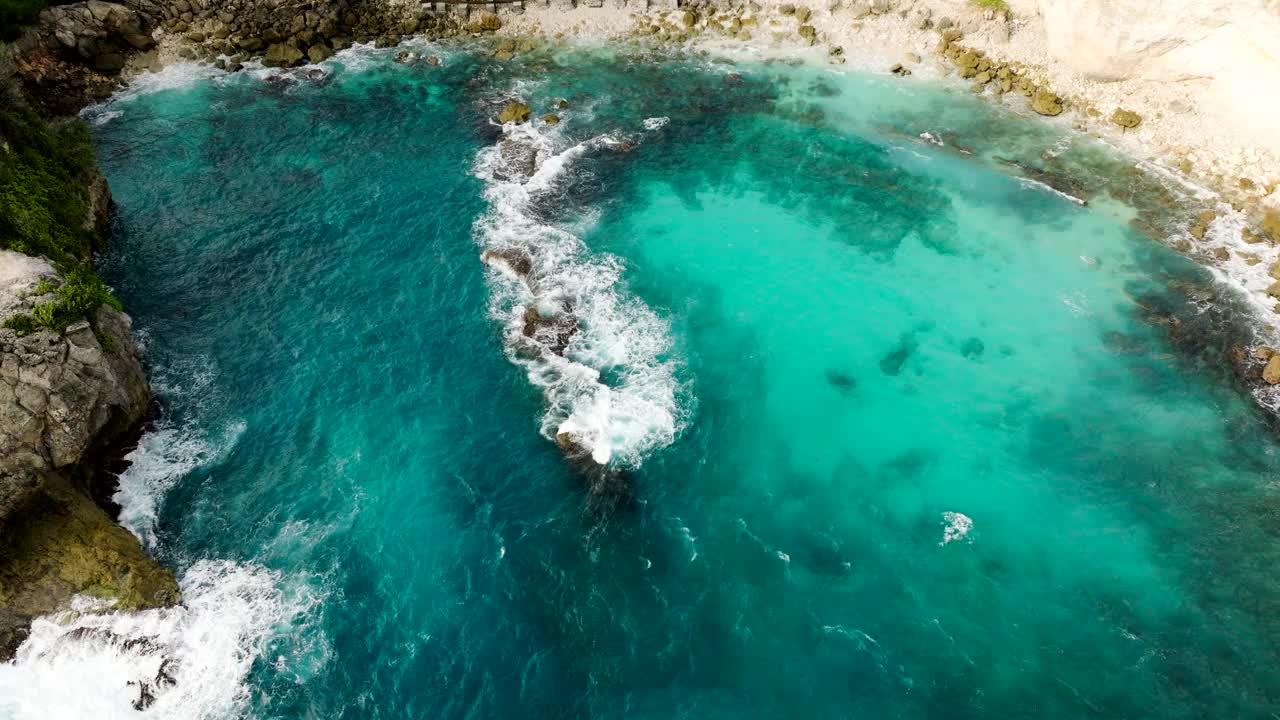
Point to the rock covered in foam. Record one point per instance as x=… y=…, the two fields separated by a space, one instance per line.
x=514 y=259
x=519 y=159
x=552 y=328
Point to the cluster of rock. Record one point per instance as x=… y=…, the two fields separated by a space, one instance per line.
x=293 y=33
x=79 y=52
x=75 y=52
x=696 y=19
x=67 y=401
x=974 y=64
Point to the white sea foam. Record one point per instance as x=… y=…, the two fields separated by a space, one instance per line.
x=613 y=389
x=1037 y=185
x=163 y=456
x=656 y=123
x=90 y=663
x=957 y=527
x=172 y=77
x=173 y=448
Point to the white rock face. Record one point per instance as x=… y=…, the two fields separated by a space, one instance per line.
x=1229 y=50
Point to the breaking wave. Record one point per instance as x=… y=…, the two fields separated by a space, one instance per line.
x=600 y=355
x=189 y=661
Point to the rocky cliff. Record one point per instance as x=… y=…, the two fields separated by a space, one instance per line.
x=1229 y=47
x=72 y=386
x=67 y=399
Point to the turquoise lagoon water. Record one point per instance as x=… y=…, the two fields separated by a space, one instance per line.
x=907 y=434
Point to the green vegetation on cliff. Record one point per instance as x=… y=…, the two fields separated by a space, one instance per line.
x=16 y=13
x=46 y=169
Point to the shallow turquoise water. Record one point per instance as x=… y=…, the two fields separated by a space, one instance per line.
x=907 y=436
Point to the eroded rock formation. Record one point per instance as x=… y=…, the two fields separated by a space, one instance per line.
x=66 y=401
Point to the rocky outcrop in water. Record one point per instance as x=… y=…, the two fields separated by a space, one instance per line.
x=67 y=400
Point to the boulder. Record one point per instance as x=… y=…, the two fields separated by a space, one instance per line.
x=1271 y=371
x=1047 y=103
x=1126 y=118
x=282 y=55
x=319 y=53
x=802 y=14
x=551 y=119
x=489 y=22
x=808 y=33
x=514 y=112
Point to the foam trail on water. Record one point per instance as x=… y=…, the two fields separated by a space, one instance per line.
x=173 y=447
x=163 y=456
x=192 y=660
x=599 y=354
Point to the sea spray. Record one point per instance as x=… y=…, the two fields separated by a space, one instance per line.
x=188 y=662
x=174 y=445
x=600 y=355
x=164 y=455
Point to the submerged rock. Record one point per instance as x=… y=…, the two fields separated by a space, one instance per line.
x=607 y=487
x=842 y=381
x=892 y=362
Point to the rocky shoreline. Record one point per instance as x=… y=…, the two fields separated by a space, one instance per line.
x=69 y=401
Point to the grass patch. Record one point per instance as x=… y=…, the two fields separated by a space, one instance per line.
x=991 y=4
x=21 y=323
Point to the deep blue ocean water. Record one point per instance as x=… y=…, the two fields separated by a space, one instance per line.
x=907 y=433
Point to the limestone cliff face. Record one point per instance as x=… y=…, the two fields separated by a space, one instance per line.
x=1230 y=46
x=66 y=400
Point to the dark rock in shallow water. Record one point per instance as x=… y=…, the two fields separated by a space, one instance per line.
x=1064 y=182
x=842 y=381
x=891 y=363
x=972 y=348
x=1124 y=343
x=553 y=331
